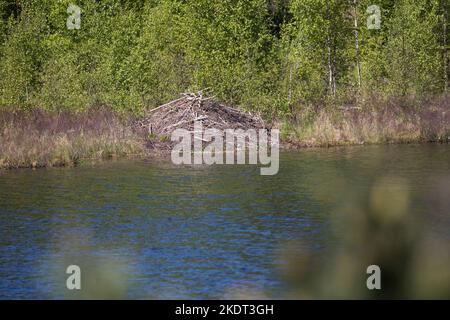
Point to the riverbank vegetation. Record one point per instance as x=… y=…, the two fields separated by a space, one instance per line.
x=393 y=120
x=328 y=71
x=41 y=139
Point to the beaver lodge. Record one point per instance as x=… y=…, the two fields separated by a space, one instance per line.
x=159 y=123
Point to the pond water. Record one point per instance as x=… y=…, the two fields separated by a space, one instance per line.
x=148 y=229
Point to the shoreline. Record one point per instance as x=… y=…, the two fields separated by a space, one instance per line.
x=164 y=155
x=39 y=139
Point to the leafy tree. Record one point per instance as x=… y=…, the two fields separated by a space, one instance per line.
x=318 y=42
x=412 y=48
x=22 y=57
x=267 y=55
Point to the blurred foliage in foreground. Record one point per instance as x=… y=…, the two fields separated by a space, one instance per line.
x=376 y=228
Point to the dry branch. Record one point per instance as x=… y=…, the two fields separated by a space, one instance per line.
x=183 y=112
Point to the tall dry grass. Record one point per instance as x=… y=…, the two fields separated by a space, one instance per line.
x=42 y=139
x=373 y=121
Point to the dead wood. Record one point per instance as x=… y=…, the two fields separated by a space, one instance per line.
x=182 y=113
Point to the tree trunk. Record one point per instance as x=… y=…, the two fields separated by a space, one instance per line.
x=330 y=68
x=446 y=61
x=358 y=64
x=334 y=66
x=290 y=85
x=404 y=66
x=331 y=60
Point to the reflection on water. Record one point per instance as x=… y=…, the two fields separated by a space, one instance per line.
x=152 y=230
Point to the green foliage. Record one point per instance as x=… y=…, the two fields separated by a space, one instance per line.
x=266 y=55
x=412 y=50
x=22 y=56
x=229 y=46
x=158 y=70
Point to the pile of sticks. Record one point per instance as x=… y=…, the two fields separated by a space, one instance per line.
x=182 y=113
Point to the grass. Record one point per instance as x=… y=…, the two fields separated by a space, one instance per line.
x=41 y=139
x=375 y=121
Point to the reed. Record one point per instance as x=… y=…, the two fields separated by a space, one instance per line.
x=374 y=121
x=42 y=139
